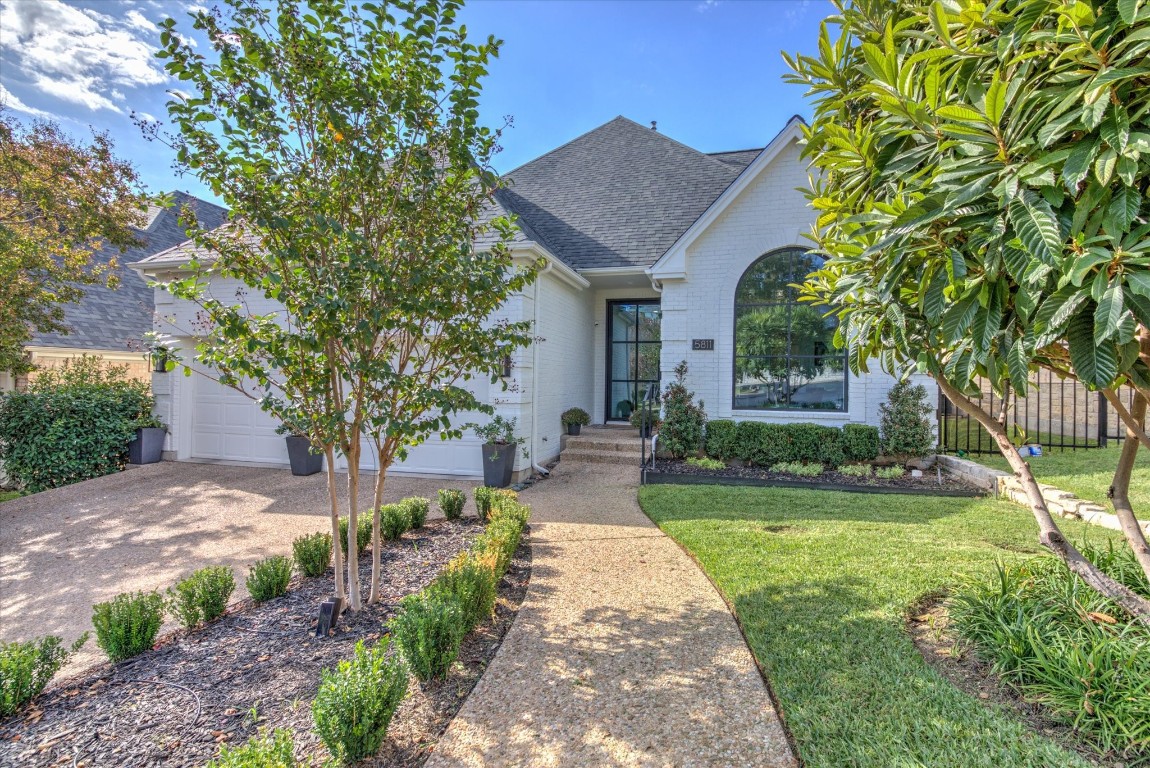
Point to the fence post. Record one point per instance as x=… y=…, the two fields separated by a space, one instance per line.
x=1103 y=421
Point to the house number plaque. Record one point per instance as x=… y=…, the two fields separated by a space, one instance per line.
x=703 y=345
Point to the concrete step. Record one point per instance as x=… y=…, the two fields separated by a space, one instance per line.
x=590 y=456
x=603 y=443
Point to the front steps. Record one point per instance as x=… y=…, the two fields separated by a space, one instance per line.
x=603 y=445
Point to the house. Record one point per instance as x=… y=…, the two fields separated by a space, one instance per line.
x=109 y=322
x=654 y=253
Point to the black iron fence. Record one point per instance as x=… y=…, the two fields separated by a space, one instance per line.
x=1058 y=414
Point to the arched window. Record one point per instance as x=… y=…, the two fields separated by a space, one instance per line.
x=785 y=357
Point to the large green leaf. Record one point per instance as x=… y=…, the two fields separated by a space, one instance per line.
x=1037 y=227
x=1108 y=312
x=1095 y=364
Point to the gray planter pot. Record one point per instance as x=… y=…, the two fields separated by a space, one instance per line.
x=148 y=446
x=498 y=461
x=573 y=429
x=303 y=461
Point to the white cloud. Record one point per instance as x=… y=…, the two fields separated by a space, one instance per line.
x=707 y=5
x=11 y=101
x=80 y=55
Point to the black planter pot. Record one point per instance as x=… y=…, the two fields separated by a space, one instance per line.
x=573 y=429
x=148 y=446
x=303 y=461
x=498 y=461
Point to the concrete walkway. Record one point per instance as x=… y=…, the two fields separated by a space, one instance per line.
x=622 y=653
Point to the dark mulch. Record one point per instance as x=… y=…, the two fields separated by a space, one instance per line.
x=930 y=479
x=258 y=666
x=929 y=628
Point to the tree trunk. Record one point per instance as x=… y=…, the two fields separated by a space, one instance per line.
x=355 y=599
x=337 y=552
x=1120 y=490
x=380 y=478
x=1049 y=534
x=1136 y=425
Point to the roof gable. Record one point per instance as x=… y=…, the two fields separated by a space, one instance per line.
x=618 y=196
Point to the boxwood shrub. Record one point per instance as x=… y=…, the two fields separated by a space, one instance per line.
x=765 y=445
x=72 y=423
x=721 y=442
x=861 y=442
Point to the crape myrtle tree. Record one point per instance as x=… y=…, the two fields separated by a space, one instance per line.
x=979 y=173
x=61 y=201
x=346 y=141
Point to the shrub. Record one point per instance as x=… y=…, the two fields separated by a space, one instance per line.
x=483 y=496
x=417 y=509
x=394 y=521
x=501 y=539
x=762 y=444
x=429 y=630
x=128 y=624
x=362 y=532
x=271 y=750
x=269 y=578
x=203 y=596
x=907 y=429
x=814 y=442
x=451 y=502
x=856 y=470
x=1064 y=645
x=356 y=701
x=683 y=420
x=861 y=442
x=27 y=667
x=721 y=439
x=312 y=553
x=706 y=463
x=72 y=423
x=470 y=578
x=889 y=473
x=502 y=501
x=640 y=418
x=575 y=416
x=798 y=468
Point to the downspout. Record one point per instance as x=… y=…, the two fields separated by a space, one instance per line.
x=535 y=367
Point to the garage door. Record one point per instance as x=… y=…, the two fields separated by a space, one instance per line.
x=229 y=426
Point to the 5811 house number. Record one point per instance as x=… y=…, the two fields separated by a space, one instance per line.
x=703 y=345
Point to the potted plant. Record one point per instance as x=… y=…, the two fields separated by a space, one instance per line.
x=302 y=458
x=147 y=447
x=646 y=423
x=499 y=441
x=574 y=419
x=624 y=409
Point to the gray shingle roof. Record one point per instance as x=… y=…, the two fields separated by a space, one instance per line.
x=739 y=158
x=618 y=196
x=111 y=319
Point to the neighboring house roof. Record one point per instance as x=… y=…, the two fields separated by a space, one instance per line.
x=618 y=196
x=739 y=158
x=111 y=319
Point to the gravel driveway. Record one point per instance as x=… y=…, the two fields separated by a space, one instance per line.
x=63 y=550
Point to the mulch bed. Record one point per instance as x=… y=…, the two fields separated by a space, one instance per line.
x=256 y=667
x=930 y=481
x=928 y=627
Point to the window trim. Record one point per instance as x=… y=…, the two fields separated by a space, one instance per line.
x=790 y=250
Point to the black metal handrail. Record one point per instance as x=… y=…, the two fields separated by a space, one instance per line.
x=648 y=408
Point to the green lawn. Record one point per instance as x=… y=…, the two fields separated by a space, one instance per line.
x=822 y=581
x=1085 y=473
x=6 y=495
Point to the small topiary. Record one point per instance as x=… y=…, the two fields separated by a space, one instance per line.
x=271 y=750
x=683 y=420
x=470 y=578
x=483 y=502
x=312 y=553
x=429 y=631
x=27 y=667
x=269 y=578
x=575 y=416
x=417 y=510
x=362 y=532
x=128 y=624
x=904 y=418
x=203 y=596
x=721 y=441
x=356 y=701
x=394 y=521
x=861 y=442
x=451 y=502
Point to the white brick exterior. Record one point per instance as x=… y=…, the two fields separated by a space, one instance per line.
x=768 y=213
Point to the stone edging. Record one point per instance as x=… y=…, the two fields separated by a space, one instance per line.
x=1061 y=503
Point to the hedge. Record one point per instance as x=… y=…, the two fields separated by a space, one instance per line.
x=765 y=444
x=72 y=423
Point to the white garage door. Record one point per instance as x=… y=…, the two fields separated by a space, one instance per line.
x=229 y=426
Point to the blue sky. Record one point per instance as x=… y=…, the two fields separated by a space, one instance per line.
x=709 y=71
